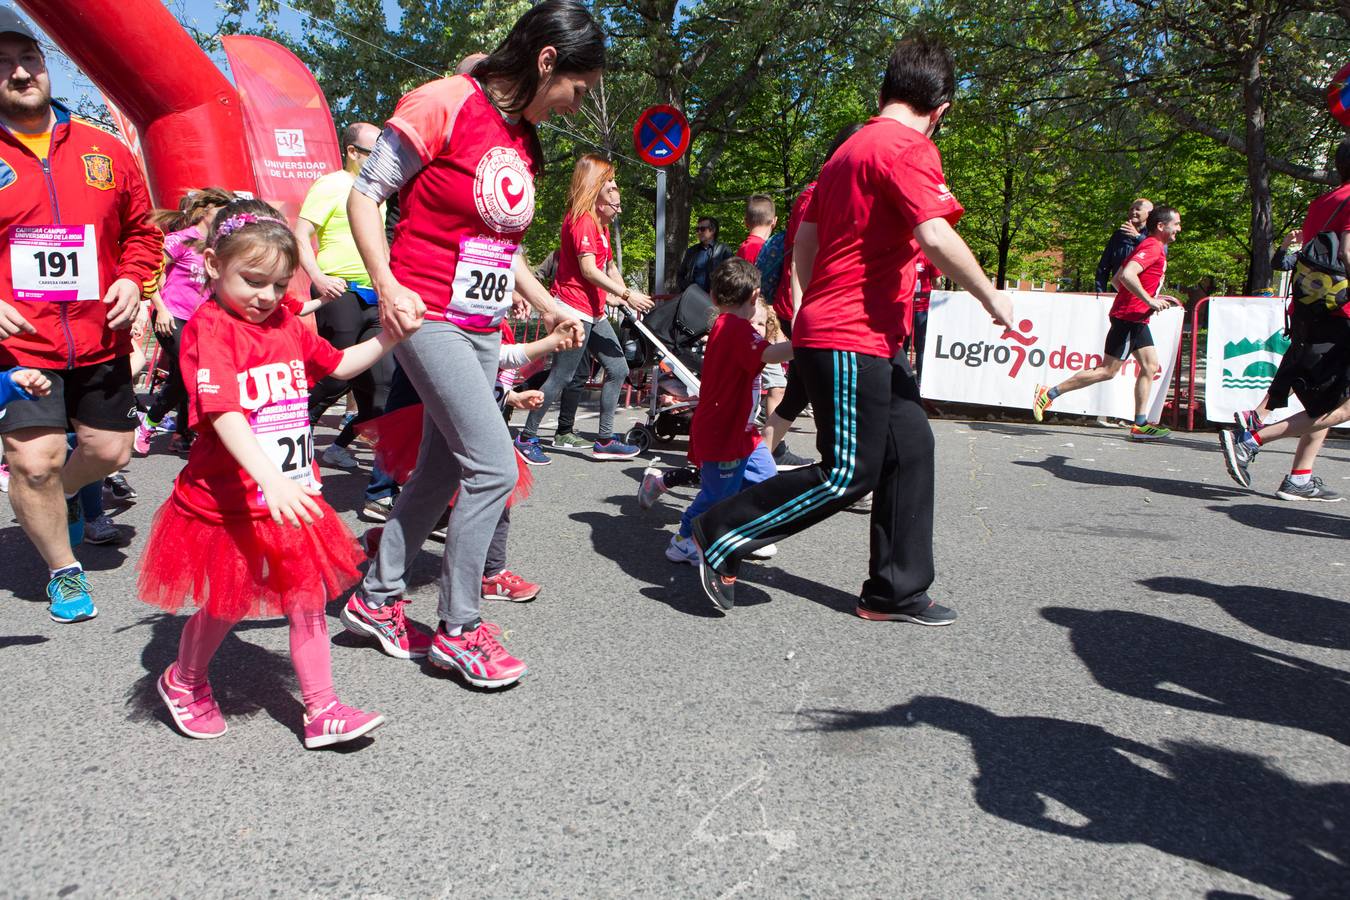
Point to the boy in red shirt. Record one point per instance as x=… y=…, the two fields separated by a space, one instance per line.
x=880 y=200
x=721 y=436
x=760 y=219
x=1137 y=298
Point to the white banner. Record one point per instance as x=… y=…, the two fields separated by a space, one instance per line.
x=1244 y=347
x=969 y=359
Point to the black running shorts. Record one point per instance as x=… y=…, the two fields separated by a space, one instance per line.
x=1125 y=337
x=100 y=396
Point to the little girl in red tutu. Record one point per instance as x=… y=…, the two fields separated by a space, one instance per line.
x=245 y=532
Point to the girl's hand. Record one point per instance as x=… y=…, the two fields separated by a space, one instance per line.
x=525 y=399
x=39 y=385
x=163 y=323
x=401 y=309
x=292 y=500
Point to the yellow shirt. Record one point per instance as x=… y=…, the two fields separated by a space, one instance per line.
x=39 y=144
x=326 y=207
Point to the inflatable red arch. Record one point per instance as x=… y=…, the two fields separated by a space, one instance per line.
x=188 y=113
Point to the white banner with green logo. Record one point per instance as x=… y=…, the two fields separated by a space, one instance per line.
x=1245 y=344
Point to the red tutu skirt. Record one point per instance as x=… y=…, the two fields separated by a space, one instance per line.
x=246 y=569
x=397 y=436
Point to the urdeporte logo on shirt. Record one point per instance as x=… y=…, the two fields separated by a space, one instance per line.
x=503 y=190
x=262 y=385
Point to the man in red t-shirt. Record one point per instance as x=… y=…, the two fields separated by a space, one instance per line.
x=1138 y=285
x=1316 y=367
x=880 y=200
x=760 y=219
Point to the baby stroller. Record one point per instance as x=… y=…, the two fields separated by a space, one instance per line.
x=668 y=341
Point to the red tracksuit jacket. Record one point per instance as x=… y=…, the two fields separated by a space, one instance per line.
x=89 y=178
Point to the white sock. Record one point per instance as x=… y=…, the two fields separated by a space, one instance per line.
x=1299 y=479
x=75 y=565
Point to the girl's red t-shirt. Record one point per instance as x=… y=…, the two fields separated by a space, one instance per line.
x=263 y=371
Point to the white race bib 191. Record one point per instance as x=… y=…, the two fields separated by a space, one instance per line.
x=53 y=263
x=481 y=294
x=282 y=428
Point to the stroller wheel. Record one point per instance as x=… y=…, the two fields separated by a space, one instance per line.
x=665 y=428
x=639 y=436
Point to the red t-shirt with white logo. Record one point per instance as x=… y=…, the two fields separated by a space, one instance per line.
x=878 y=187
x=263 y=371
x=1151 y=255
x=782 y=298
x=925 y=273
x=750 y=247
x=465 y=212
x=721 y=429
x=581 y=234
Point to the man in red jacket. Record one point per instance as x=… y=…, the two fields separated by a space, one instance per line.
x=76 y=245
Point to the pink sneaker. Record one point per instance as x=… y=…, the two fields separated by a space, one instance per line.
x=336 y=724
x=144 y=432
x=478 y=656
x=388 y=625
x=507 y=585
x=194 y=710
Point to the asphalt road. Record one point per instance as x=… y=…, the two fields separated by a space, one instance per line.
x=1146 y=695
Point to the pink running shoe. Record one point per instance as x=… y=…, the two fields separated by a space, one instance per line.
x=478 y=656
x=144 y=432
x=336 y=724
x=388 y=625
x=194 y=710
x=507 y=585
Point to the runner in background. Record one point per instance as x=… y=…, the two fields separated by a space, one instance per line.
x=182 y=289
x=925 y=275
x=1138 y=297
x=588 y=280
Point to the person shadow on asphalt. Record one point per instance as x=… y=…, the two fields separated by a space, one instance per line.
x=1229 y=810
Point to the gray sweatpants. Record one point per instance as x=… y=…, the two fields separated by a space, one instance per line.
x=465 y=445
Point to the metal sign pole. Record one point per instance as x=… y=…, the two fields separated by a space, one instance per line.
x=660 y=286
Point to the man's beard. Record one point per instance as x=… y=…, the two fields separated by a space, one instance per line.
x=32 y=103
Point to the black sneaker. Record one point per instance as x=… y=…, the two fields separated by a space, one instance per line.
x=1237 y=456
x=1313 y=490
x=119 y=488
x=933 y=614
x=785 y=459
x=720 y=589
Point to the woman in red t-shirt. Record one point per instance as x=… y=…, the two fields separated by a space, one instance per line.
x=462 y=154
x=588 y=279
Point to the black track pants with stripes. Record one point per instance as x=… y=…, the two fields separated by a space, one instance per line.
x=872 y=435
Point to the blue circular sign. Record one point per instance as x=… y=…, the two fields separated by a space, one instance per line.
x=661 y=135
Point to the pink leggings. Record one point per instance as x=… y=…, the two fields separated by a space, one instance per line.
x=309 y=653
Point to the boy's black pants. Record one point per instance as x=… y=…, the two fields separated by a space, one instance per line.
x=872 y=435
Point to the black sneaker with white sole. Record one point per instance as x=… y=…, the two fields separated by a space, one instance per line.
x=1237 y=456
x=1313 y=490
x=932 y=614
x=719 y=588
x=785 y=459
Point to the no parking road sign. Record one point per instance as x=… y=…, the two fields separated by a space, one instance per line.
x=1338 y=96
x=661 y=135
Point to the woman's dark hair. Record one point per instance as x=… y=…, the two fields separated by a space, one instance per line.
x=920 y=74
x=565 y=25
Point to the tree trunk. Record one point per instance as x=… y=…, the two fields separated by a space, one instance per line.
x=1258 y=174
x=1005 y=229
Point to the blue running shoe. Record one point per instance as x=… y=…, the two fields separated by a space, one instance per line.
x=68 y=596
x=75 y=520
x=529 y=450
x=614 y=448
